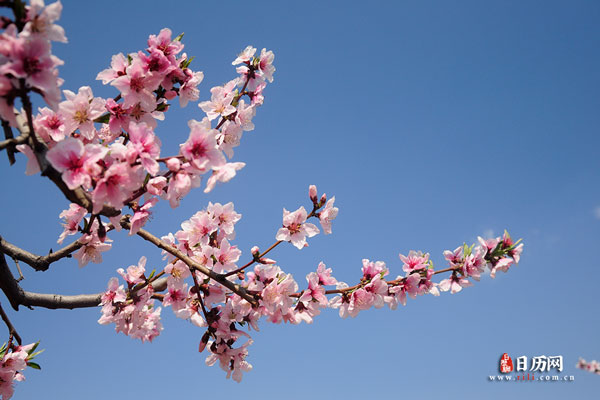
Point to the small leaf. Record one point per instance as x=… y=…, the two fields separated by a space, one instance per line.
x=179 y=37
x=34 y=347
x=103 y=119
x=33 y=365
x=186 y=63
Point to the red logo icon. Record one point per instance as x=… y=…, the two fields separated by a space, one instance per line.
x=506 y=364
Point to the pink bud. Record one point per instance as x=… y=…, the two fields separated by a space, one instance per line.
x=170 y=95
x=323 y=199
x=173 y=164
x=255 y=250
x=265 y=260
x=156 y=185
x=312 y=193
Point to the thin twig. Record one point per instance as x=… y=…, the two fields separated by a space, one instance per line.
x=39 y=263
x=11 y=329
x=21 y=277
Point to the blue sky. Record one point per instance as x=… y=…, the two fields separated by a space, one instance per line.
x=431 y=123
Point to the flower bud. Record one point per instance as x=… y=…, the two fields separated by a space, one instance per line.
x=323 y=199
x=312 y=193
x=173 y=164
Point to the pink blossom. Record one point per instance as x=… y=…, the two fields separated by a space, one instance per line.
x=225 y=216
x=177 y=294
x=409 y=285
x=327 y=215
x=137 y=86
x=265 y=65
x=91 y=250
x=178 y=270
x=315 y=290
x=244 y=115
x=40 y=21
x=135 y=273
x=199 y=227
x=201 y=147
x=415 y=261
x=156 y=62
x=179 y=186
x=245 y=56
x=119 y=116
x=219 y=104
x=229 y=137
x=141 y=216
x=80 y=110
x=226 y=256
x=500 y=265
x=7 y=94
x=474 y=263
x=50 y=125
x=233 y=361
x=76 y=162
x=223 y=173
x=163 y=42
x=116 y=185
x=371 y=269
x=72 y=218
x=33 y=167
x=32 y=60
x=118 y=67
x=455 y=284
x=146 y=146
x=156 y=185
x=189 y=90
x=324 y=274
x=295 y=228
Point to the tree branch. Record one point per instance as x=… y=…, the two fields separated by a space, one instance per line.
x=39 y=263
x=17 y=296
x=8 y=134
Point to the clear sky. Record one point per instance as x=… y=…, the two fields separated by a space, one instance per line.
x=431 y=123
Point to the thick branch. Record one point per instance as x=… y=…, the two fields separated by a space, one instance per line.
x=8 y=143
x=39 y=263
x=219 y=278
x=17 y=296
x=8 y=134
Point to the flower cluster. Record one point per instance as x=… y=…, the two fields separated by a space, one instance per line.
x=108 y=147
x=592 y=366
x=465 y=262
x=26 y=60
x=206 y=239
x=133 y=311
x=13 y=360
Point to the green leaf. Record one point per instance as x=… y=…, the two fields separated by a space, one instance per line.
x=179 y=37
x=186 y=63
x=103 y=119
x=33 y=365
x=37 y=353
x=162 y=107
x=34 y=347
